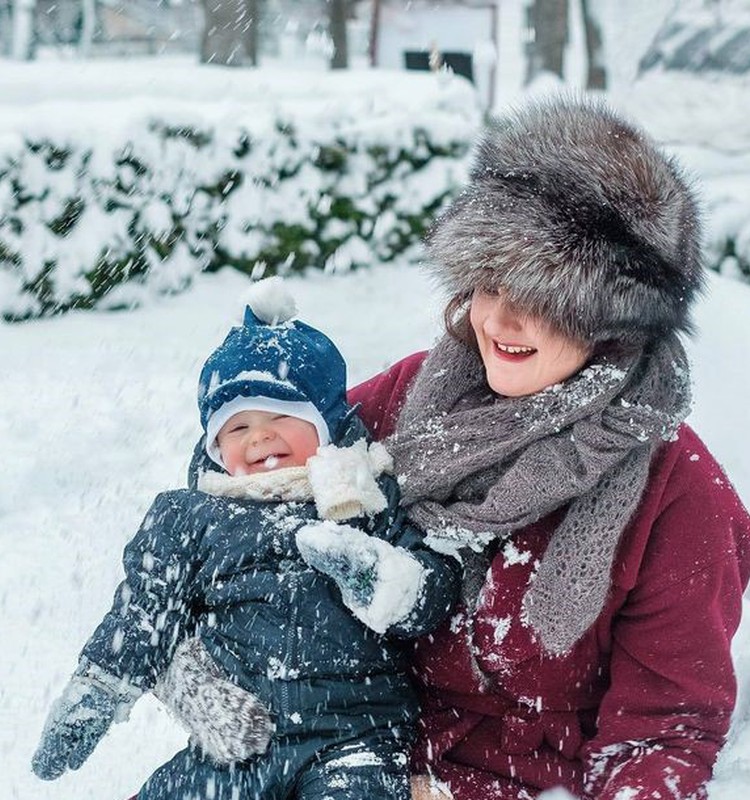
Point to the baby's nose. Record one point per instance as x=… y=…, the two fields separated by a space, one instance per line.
x=261 y=434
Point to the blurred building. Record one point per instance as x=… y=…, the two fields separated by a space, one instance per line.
x=460 y=35
x=288 y=29
x=117 y=27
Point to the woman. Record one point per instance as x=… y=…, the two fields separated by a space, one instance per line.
x=542 y=438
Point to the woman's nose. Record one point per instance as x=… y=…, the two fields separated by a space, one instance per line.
x=507 y=317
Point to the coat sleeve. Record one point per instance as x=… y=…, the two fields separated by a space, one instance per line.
x=672 y=683
x=380 y=398
x=441 y=574
x=151 y=610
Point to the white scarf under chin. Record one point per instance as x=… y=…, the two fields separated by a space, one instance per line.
x=341 y=481
x=290 y=484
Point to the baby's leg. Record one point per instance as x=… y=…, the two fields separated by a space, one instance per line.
x=190 y=776
x=375 y=767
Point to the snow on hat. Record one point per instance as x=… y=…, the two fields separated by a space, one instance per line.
x=273 y=363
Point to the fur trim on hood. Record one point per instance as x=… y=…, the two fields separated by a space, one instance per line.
x=580 y=220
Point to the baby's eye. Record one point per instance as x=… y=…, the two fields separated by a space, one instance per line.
x=237 y=428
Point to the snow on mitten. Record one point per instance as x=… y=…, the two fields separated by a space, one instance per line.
x=379 y=583
x=227 y=722
x=79 y=718
x=343 y=480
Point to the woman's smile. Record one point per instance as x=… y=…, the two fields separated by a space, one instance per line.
x=513 y=352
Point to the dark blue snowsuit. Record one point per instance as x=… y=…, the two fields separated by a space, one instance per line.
x=229 y=571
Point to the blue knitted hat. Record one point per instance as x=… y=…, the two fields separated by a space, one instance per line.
x=273 y=363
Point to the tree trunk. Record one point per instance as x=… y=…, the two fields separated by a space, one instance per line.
x=596 y=74
x=229 y=32
x=374 y=33
x=548 y=19
x=251 y=34
x=23 y=29
x=6 y=30
x=337 y=28
x=88 y=10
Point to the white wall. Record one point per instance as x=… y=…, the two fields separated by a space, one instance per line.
x=447 y=28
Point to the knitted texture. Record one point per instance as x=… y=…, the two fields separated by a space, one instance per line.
x=227 y=722
x=475 y=466
x=293 y=367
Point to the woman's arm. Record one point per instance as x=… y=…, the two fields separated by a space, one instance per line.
x=667 y=712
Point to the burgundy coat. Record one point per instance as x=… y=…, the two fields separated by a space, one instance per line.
x=643 y=701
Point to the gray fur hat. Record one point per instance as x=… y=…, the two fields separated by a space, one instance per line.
x=580 y=220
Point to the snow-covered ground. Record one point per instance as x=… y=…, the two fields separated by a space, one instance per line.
x=97 y=414
x=97 y=410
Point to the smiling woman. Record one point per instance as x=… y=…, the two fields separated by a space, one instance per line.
x=543 y=439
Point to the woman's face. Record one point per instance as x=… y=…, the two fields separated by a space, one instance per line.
x=521 y=354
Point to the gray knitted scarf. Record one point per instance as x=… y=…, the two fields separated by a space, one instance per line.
x=476 y=466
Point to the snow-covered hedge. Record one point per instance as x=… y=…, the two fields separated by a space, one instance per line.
x=680 y=110
x=101 y=209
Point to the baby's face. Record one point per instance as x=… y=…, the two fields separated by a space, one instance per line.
x=259 y=441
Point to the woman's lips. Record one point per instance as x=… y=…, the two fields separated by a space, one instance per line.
x=513 y=352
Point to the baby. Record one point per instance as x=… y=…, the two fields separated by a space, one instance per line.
x=285 y=621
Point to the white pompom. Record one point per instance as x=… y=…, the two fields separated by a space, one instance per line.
x=271 y=301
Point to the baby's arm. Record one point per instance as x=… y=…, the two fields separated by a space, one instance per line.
x=134 y=641
x=152 y=608
x=393 y=589
x=440 y=586
x=388 y=578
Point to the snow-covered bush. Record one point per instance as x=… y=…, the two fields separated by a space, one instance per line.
x=678 y=108
x=92 y=215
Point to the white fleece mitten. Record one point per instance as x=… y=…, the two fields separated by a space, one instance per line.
x=343 y=479
x=379 y=583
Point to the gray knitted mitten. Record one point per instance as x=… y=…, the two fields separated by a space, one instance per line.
x=79 y=718
x=227 y=722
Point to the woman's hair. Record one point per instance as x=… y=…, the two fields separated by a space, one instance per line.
x=456 y=320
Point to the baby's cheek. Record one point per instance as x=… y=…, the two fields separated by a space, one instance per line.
x=230 y=459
